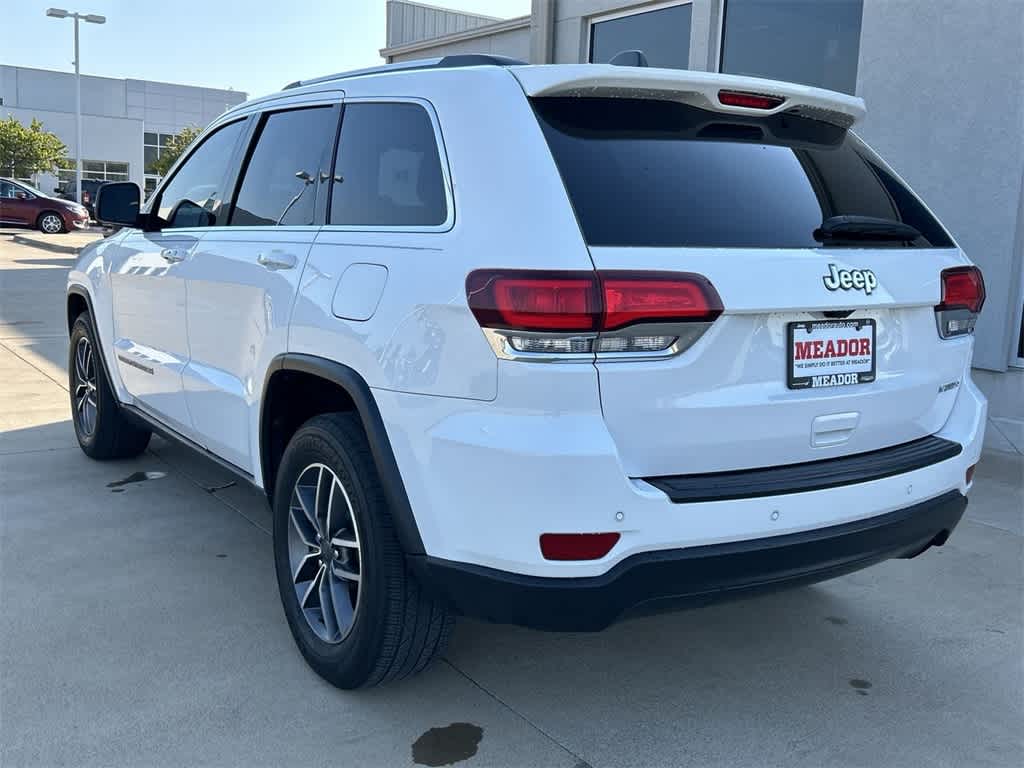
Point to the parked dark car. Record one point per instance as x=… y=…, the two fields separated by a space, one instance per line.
x=24 y=206
x=90 y=188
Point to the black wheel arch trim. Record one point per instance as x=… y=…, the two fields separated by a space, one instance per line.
x=79 y=290
x=376 y=434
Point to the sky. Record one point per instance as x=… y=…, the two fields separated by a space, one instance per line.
x=248 y=46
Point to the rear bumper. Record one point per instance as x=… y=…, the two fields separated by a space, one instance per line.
x=652 y=581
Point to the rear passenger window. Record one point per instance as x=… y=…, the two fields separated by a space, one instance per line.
x=281 y=180
x=388 y=171
x=193 y=197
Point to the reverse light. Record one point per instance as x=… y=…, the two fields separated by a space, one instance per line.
x=749 y=100
x=963 y=296
x=577 y=546
x=609 y=313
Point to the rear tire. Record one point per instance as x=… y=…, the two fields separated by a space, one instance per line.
x=51 y=223
x=372 y=622
x=102 y=430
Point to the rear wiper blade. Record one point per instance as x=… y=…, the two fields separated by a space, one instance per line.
x=865 y=228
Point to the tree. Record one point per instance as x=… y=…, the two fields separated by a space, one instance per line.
x=27 y=151
x=177 y=144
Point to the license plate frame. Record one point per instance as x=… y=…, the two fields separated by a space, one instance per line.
x=828 y=379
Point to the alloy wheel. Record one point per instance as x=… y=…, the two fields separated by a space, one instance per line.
x=51 y=224
x=85 y=398
x=323 y=553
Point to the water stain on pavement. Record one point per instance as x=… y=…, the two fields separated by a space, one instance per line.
x=860 y=685
x=839 y=621
x=136 y=477
x=447 y=746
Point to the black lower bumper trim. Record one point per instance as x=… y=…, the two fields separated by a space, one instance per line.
x=807 y=476
x=692 y=576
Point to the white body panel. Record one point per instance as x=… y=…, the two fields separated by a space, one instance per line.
x=150 y=326
x=493 y=477
x=238 y=312
x=724 y=403
x=494 y=452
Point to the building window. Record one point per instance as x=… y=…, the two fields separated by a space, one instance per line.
x=814 y=42
x=662 y=32
x=100 y=170
x=153 y=145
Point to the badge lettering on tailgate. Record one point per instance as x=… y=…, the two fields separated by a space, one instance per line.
x=850 y=279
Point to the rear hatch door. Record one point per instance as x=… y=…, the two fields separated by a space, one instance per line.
x=827 y=265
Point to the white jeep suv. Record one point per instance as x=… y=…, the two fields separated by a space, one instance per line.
x=543 y=345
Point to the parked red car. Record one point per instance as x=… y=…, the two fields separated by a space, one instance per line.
x=24 y=206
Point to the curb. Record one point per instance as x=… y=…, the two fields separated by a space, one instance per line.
x=52 y=247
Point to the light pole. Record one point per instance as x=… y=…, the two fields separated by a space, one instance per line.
x=92 y=18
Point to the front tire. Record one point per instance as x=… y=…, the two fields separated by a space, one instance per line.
x=357 y=614
x=51 y=223
x=102 y=430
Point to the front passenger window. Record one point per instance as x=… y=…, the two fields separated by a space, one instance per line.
x=195 y=194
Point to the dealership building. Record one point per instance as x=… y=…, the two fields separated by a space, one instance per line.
x=941 y=79
x=125 y=123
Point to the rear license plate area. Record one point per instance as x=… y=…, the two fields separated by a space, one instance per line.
x=830 y=353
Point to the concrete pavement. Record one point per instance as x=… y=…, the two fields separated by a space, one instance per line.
x=140 y=626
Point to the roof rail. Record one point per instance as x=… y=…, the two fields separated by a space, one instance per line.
x=444 y=62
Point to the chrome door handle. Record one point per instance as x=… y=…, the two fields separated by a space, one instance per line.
x=172 y=255
x=276 y=260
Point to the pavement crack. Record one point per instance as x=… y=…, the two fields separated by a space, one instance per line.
x=995 y=425
x=579 y=760
x=208 y=490
x=33 y=366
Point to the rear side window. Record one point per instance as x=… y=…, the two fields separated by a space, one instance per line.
x=194 y=196
x=658 y=173
x=282 y=177
x=388 y=170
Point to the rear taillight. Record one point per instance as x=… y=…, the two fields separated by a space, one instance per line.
x=749 y=100
x=963 y=296
x=573 y=315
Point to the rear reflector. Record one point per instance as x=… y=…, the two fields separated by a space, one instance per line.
x=970 y=473
x=588 y=302
x=749 y=100
x=577 y=546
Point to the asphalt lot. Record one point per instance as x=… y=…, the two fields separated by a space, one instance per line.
x=140 y=626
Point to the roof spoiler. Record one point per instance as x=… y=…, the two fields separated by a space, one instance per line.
x=732 y=94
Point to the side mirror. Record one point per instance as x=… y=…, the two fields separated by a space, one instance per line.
x=117 y=204
x=21 y=195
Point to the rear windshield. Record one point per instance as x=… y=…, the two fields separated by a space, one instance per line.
x=658 y=173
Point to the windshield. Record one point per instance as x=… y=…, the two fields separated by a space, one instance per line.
x=658 y=173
